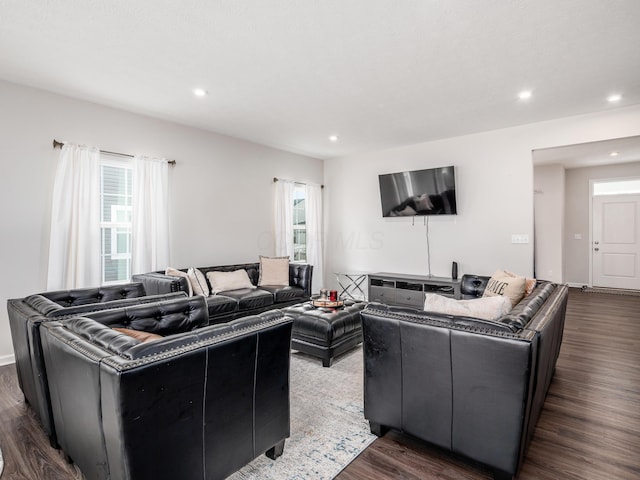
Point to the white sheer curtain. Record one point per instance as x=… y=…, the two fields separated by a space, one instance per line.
x=74 y=245
x=283 y=210
x=315 y=257
x=149 y=218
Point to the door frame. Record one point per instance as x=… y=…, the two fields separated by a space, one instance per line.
x=592 y=182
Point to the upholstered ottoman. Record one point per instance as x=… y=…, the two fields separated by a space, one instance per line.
x=325 y=332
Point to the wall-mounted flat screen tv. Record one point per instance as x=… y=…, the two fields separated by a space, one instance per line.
x=419 y=192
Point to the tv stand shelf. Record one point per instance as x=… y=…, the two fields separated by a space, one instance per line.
x=408 y=290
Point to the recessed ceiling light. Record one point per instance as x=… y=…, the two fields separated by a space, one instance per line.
x=614 y=154
x=333 y=138
x=199 y=92
x=614 y=98
x=525 y=95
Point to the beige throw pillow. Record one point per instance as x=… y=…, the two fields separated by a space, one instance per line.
x=223 y=281
x=198 y=282
x=178 y=273
x=505 y=285
x=274 y=271
x=529 y=283
x=486 y=308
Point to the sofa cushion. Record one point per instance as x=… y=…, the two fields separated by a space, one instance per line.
x=198 y=282
x=486 y=308
x=503 y=284
x=251 y=298
x=179 y=273
x=139 y=335
x=221 y=304
x=285 y=294
x=223 y=281
x=274 y=271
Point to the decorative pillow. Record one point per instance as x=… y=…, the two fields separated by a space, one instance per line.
x=198 y=282
x=223 y=281
x=144 y=337
x=178 y=273
x=529 y=283
x=503 y=284
x=486 y=308
x=274 y=271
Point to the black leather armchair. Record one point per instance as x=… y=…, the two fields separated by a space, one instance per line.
x=471 y=386
x=192 y=405
x=26 y=315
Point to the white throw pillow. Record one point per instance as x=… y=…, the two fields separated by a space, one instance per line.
x=486 y=308
x=198 y=282
x=274 y=271
x=178 y=273
x=223 y=281
x=503 y=284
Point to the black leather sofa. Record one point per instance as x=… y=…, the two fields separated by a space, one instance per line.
x=473 y=387
x=232 y=304
x=192 y=405
x=26 y=315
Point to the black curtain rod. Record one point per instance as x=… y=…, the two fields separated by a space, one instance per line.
x=57 y=144
x=276 y=179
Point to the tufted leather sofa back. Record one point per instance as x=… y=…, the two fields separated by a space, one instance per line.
x=82 y=296
x=300 y=274
x=166 y=318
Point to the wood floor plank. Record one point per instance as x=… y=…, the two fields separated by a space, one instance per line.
x=589 y=428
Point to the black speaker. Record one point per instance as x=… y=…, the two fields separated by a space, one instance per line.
x=454 y=270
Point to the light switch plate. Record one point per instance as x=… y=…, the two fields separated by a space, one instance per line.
x=519 y=238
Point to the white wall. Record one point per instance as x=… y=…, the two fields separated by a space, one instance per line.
x=578 y=198
x=494 y=174
x=221 y=188
x=548 y=183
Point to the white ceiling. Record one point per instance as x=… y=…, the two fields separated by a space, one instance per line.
x=590 y=154
x=289 y=73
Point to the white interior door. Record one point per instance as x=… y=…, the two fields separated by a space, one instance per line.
x=616 y=241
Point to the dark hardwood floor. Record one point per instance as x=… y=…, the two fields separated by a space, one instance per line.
x=589 y=428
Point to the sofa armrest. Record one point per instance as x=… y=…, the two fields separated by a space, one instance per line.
x=156 y=283
x=301 y=275
x=472 y=286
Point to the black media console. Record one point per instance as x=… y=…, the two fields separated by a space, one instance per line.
x=409 y=290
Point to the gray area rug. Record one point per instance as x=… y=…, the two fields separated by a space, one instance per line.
x=328 y=429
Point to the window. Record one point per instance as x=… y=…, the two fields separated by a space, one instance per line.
x=115 y=220
x=616 y=187
x=299 y=224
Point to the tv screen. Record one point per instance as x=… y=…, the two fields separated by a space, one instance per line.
x=420 y=192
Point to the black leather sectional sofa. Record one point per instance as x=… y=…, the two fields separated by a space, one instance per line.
x=200 y=402
x=26 y=315
x=232 y=304
x=473 y=387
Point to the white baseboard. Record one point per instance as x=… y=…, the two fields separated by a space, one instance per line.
x=577 y=285
x=7 y=359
